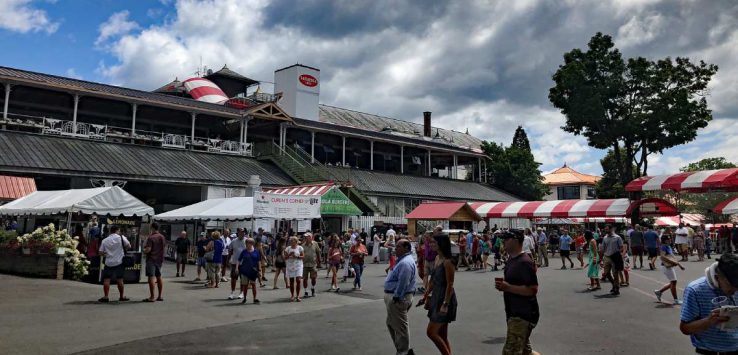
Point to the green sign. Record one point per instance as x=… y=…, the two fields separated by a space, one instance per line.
x=334 y=202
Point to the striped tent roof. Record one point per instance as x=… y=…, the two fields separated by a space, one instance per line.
x=729 y=206
x=314 y=189
x=573 y=208
x=13 y=187
x=695 y=181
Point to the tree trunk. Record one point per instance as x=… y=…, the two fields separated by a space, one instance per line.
x=644 y=160
x=618 y=159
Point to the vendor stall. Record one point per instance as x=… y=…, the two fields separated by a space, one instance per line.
x=453 y=215
x=76 y=210
x=335 y=206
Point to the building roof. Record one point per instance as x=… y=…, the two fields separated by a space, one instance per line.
x=441 y=211
x=109 y=91
x=13 y=187
x=381 y=183
x=228 y=73
x=397 y=128
x=38 y=154
x=568 y=176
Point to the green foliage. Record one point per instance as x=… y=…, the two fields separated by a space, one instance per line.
x=514 y=169
x=610 y=186
x=636 y=107
x=709 y=164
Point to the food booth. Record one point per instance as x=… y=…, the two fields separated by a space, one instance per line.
x=452 y=215
x=77 y=209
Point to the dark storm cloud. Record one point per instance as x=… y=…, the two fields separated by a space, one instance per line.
x=332 y=19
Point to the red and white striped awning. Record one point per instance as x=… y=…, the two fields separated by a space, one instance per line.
x=694 y=219
x=601 y=220
x=556 y=209
x=205 y=90
x=696 y=181
x=573 y=208
x=729 y=206
x=314 y=190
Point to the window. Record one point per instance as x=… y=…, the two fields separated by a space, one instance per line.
x=591 y=193
x=568 y=192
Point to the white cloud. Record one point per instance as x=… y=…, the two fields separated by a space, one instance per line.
x=481 y=65
x=72 y=73
x=117 y=24
x=20 y=16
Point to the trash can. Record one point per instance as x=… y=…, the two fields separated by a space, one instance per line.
x=383 y=254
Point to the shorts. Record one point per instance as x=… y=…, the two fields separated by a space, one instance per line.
x=153 y=269
x=234 y=271
x=565 y=253
x=669 y=272
x=225 y=260
x=698 y=243
x=280 y=264
x=182 y=258
x=636 y=250
x=201 y=261
x=476 y=258
x=213 y=270
x=310 y=272
x=245 y=279
x=517 y=340
x=113 y=272
x=485 y=254
x=653 y=252
x=682 y=248
x=580 y=250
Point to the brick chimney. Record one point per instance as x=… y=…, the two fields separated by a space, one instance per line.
x=427 y=124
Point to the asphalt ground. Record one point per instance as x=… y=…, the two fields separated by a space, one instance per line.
x=61 y=317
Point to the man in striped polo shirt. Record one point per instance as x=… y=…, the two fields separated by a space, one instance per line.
x=700 y=319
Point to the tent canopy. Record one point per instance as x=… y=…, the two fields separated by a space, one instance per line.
x=694 y=219
x=555 y=221
x=729 y=206
x=333 y=202
x=694 y=181
x=601 y=220
x=573 y=208
x=112 y=201
x=444 y=211
x=217 y=209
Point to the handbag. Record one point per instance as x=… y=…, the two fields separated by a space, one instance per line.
x=127 y=259
x=209 y=256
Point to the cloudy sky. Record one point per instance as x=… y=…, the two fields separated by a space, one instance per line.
x=481 y=65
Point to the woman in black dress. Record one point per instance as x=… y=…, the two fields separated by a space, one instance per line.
x=439 y=297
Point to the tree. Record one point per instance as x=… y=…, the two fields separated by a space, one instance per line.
x=635 y=108
x=709 y=164
x=610 y=186
x=514 y=169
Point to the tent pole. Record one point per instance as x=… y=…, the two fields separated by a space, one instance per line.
x=69 y=222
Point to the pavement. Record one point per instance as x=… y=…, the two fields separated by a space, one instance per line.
x=63 y=317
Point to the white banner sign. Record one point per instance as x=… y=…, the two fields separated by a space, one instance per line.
x=281 y=206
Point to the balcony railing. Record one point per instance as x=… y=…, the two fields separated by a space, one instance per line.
x=58 y=127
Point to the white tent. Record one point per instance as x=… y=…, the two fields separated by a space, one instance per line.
x=217 y=209
x=112 y=201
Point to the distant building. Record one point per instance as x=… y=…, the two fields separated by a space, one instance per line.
x=566 y=183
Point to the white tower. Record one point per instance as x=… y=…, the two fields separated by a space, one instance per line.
x=300 y=88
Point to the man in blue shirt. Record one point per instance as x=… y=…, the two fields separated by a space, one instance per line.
x=651 y=240
x=700 y=319
x=565 y=249
x=399 y=287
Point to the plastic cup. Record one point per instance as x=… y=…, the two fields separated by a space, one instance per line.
x=500 y=279
x=720 y=301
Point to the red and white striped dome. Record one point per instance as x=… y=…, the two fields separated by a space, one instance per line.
x=205 y=90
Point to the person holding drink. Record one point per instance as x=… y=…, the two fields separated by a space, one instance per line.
x=519 y=287
x=707 y=300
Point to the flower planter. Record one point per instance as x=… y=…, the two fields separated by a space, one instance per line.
x=43 y=266
x=26 y=251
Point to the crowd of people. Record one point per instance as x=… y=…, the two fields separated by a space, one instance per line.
x=434 y=259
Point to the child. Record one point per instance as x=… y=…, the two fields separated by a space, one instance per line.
x=625 y=281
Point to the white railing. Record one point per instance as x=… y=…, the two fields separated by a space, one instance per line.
x=230 y=147
x=69 y=128
x=173 y=141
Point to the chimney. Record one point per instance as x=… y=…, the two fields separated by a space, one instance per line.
x=427 y=124
x=300 y=89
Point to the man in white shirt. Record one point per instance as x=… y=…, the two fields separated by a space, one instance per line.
x=226 y=237
x=236 y=246
x=681 y=241
x=113 y=248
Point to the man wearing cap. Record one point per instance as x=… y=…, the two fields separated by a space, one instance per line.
x=542 y=240
x=399 y=287
x=700 y=317
x=519 y=287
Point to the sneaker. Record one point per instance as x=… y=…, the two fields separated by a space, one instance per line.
x=312 y=292
x=223 y=279
x=240 y=296
x=677 y=302
x=232 y=296
x=177 y=275
x=197 y=279
x=658 y=295
x=306 y=294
